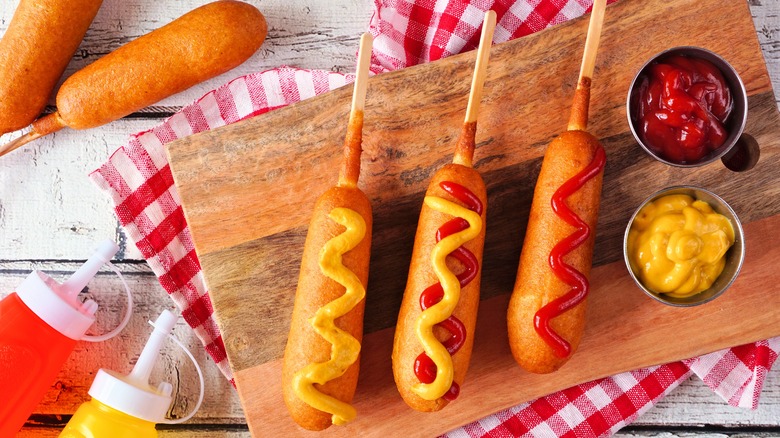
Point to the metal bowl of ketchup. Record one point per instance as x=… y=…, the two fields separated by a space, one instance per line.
x=687 y=107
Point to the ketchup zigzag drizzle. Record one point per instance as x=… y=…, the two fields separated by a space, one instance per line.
x=424 y=367
x=565 y=272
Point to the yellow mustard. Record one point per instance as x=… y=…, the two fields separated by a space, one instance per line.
x=677 y=245
x=345 y=348
x=444 y=308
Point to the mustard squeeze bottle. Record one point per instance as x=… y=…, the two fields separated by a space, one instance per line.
x=40 y=324
x=128 y=406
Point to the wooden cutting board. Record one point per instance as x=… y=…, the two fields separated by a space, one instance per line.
x=248 y=190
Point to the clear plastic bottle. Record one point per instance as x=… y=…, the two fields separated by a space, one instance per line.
x=127 y=406
x=40 y=324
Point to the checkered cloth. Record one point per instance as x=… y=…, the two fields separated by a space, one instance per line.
x=138 y=179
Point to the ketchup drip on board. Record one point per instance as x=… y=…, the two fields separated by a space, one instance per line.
x=424 y=367
x=681 y=105
x=565 y=272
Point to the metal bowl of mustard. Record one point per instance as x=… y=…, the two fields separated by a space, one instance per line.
x=677 y=263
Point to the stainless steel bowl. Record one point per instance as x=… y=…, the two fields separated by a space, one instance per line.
x=735 y=256
x=735 y=124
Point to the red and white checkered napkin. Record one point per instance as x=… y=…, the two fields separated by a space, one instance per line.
x=138 y=179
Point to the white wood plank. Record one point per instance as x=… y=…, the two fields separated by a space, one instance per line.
x=766 y=17
x=63 y=268
x=49 y=209
x=694 y=404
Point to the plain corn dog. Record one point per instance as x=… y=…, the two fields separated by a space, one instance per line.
x=40 y=40
x=199 y=45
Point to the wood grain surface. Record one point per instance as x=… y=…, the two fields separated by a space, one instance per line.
x=625 y=331
x=248 y=188
x=50 y=215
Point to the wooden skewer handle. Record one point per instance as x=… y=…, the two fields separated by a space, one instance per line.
x=592 y=39
x=350 y=169
x=578 y=120
x=43 y=126
x=480 y=69
x=464 y=149
x=361 y=75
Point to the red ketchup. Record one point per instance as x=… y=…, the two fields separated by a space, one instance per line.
x=680 y=107
x=424 y=367
x=565 y=272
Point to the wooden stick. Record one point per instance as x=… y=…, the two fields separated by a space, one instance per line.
x=464 y=150
x=361 y=74
x=578 y=121
x=480 y=69
x=350 y=169
x=18 y=142
x=43 y=126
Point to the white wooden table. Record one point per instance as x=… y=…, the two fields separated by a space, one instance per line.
x=51 y=215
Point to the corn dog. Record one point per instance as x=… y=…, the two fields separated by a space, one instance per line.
x=435 y=331
x=40 y=40
x=546 y=315
x=322 y=356
x=199 y=45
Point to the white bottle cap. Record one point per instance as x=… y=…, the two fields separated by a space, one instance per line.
x=132 y=394
x=58 y=304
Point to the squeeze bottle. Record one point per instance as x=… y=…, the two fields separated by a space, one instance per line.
x=128 y=406
x=40 y=324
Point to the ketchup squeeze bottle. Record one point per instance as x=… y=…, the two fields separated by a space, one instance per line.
x=128 y=406
x=40 y=324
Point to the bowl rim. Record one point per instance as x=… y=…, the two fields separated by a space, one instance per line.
x=743 y=96
x=738 y=234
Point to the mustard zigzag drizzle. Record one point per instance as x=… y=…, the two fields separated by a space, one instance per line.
x=345 y=348
x=443 y=309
